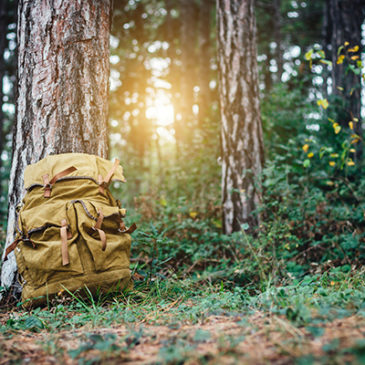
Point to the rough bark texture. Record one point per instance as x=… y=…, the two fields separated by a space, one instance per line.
x=63 y=69
x=242 y=144
x=344 y=19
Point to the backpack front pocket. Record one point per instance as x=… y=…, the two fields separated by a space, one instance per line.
x=41 y=253
x=99 y=226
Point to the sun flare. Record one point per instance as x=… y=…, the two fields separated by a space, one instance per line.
x=161 y=112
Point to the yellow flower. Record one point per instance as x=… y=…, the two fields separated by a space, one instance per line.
x=352 y=150
x=332 y=163
x=305 y=148
x=346 y=44
x=332 y=283
x=323 y=103
x=354 y=58
x=356 y=120
x=355 y=138
x=351 y=125
x=310 y=154
x=337 y=128
x=334 y=155
x=340 y=59
x=353 y=49
x=350 y=162
x=193 y=214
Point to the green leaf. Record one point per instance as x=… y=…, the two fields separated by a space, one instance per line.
x=245 y=226
x=33 y=324
x=326 y=62
x=307 y=163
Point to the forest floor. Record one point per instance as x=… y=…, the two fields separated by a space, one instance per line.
x=257 y=339
x=178 y=321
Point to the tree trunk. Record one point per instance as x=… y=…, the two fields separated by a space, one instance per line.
x=344 y=25
x=63 y=68
x=188 y=74
x=277 y=21
x=3 y=43
x=205 y=11
x=242 y=143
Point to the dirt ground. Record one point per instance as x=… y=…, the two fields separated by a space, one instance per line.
x=259 y=339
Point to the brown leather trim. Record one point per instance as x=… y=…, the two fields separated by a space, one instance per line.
x=47 y=186
x=102 y=236
x=11 y=248
x=13 y=245
x=103 y=183
x=124 y=229
x=48 y=183
x=99 y=220
x=97 y=227
x=111 y=172
x=64 y=247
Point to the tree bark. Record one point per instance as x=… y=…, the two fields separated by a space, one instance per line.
x=205 y=11
x=345 y=18
x=188 y=71
x=63 y=68
x=4 y=20
x=241 y=131
x=277 y=22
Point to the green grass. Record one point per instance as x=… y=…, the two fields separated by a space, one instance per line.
x=316 y=298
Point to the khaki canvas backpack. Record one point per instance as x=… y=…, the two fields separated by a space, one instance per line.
x=70 y=231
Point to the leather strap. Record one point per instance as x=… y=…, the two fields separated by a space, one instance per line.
x=101 y=184
x=99 y=220
x=102 y=236
x=97 y=227
x=48 y=183
x=111 y=171
x=104 y=182
x=64 y=247
x=11 y=248
x=13 y=245
x=124 y=229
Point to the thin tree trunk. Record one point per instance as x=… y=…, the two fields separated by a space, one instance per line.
x=63 y=68
x=277 y=21
x=267 y=72
x=205 y=10
x=188 y=57
x=344 y=25
x=242 y=143
x=3 y=42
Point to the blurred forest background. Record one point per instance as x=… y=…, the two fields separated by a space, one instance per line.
x=164 y=124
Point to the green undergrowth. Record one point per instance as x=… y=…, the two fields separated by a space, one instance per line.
x=313 y=300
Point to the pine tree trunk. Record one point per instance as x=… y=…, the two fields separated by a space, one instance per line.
x=205 y=11
x=188 y=74
x=242 y=143
x=344 y=25
x=63 y=69
x=278 y=38
x=4 y=20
